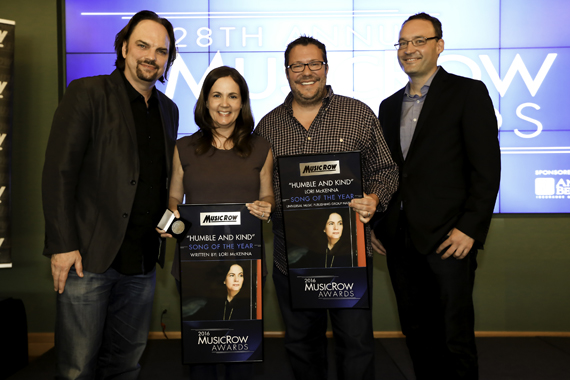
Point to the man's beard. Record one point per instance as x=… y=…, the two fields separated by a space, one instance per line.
x=312 y=100
x=143 y=75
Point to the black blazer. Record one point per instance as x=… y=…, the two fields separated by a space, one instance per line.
x=451 y=175
x=92 y=167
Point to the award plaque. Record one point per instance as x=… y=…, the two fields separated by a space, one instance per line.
x=220 y=280
x=324 y=238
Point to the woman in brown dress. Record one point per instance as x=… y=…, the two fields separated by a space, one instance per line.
x=223 y=163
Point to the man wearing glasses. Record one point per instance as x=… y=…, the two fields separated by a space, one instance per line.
x=442 y=132
x=315 y=120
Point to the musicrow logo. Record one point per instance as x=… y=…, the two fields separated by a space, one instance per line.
x=551 y=187
x=220 y=218
x=319 y=168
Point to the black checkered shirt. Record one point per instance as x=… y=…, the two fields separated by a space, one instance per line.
x=342 y=124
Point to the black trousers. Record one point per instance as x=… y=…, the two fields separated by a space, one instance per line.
x=435 y=306
x=306 y=342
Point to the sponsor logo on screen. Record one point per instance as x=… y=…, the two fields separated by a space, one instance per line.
x=220 y=218
x=550 y=187
x=319 y=168
x=544 y=186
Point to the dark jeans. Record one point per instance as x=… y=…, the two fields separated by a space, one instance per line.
x=435 y=305
x=306 y=342
x=102 y=325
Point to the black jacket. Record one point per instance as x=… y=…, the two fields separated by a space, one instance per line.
x=92 y=167
x=451 y=174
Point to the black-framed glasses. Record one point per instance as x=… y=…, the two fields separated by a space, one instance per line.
x=300 y=67
x=420 y=41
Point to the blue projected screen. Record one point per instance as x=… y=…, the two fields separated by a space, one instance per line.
x=518 y=48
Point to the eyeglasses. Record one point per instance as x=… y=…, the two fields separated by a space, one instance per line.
x=420 y=41
x=300 y=67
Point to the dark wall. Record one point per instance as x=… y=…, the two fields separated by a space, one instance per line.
x=522 y=285
x=35 y=99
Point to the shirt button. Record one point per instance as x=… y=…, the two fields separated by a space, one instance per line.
x=417 y=101
x=125 y=215
x=308 y=138
x=133 y=182
x=415 y=119
x=341 y=140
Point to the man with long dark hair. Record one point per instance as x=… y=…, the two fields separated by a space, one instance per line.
x=108 y=163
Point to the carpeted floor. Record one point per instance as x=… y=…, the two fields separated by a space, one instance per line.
x=538 y=358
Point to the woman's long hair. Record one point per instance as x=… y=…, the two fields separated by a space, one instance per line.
x=241 y=135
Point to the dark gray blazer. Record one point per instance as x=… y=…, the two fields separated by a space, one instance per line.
x=451 y=175
x=92 y=168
